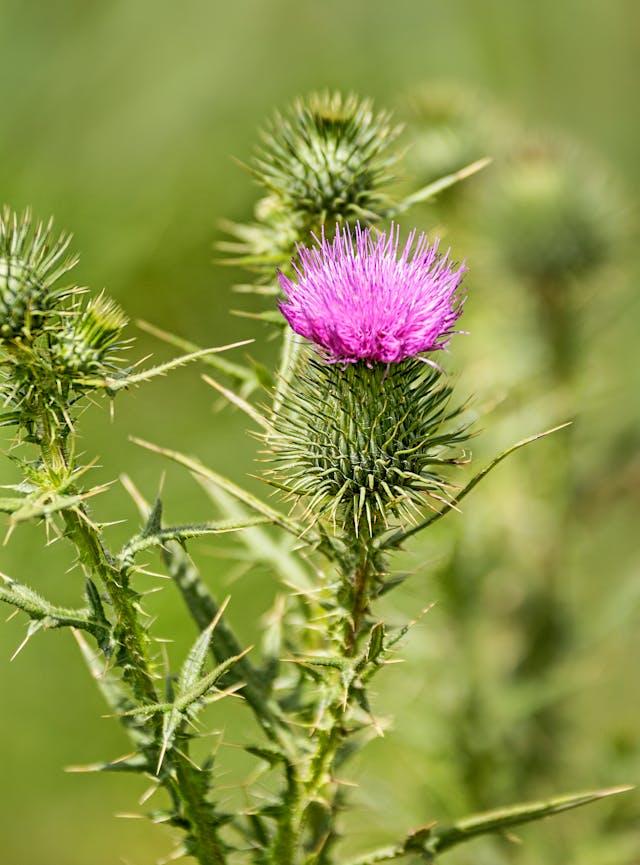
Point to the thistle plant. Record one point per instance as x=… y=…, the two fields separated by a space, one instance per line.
x=360 y=434
x=553 y=221
x=448 y=128
x=556 y=220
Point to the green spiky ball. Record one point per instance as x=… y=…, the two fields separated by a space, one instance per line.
x=553 y=216
x=328 y=160
x=366 y=446
x=31 y=261
x=87 y=342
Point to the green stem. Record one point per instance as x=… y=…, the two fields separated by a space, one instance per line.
x=205 y=845
x=321 y=764
x=133 y=655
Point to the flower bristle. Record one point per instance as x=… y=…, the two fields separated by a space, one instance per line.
x=363 y=297
x=32 y=260
x=363 y=446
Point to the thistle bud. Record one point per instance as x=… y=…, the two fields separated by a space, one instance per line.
x=365 y=430
x=553 y=216
x=87 y=343
x=328 y=160
x=446 y=130
x=31 y=262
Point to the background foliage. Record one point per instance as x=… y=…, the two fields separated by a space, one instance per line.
x=121 y=118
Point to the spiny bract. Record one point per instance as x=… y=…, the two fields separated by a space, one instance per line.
x=363 y=445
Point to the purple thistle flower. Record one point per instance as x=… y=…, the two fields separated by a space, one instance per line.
x=359 y=300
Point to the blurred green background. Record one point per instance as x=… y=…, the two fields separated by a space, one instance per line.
x=122 y=119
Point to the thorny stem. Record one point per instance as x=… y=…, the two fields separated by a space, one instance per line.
x=206 y=846
x=182 y=780
x=320 y=765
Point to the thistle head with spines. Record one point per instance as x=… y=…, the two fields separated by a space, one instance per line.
x=87 y=344
x=367 y=432
x=328 y=159
x=53 y=347
x=33 y=259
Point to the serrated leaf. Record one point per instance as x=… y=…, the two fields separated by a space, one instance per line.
x=432 y=840
x=46 y=615
x=375 y=644
x=194 y=663
x=185 y=700
x=160 y=537
x=153 y=524
x=200 y=689
x=234 y=370
x=112 y=384
x=45 y=505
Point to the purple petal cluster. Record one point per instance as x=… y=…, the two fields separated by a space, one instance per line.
x=360 y=297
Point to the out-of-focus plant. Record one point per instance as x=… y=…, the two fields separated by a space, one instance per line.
x=449 y=127
x=549 y=222
x=360 y=434
x=556 y=223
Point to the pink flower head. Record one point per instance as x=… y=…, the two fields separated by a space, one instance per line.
x=359 y=300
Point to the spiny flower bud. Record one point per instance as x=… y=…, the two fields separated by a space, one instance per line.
x=552 y=216
x=365 y=445
x=328 y=160
x=88 y=341
x=31 y=262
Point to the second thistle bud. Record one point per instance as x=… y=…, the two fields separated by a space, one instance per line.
x=87 y=344
x=553 y=216
x=32 y=259
x=328 y=160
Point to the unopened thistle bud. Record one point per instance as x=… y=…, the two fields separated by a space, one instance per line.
x=32 y=260
x=364 y=433
x=88 y=342
x=446 y=130
x=328 y=160
x=553 y=216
